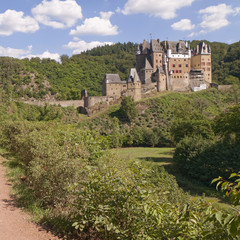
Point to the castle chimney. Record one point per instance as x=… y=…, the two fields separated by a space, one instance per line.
x=197 y=49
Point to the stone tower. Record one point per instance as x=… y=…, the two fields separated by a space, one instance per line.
x=201 y=60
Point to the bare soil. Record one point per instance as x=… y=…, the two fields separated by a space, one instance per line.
x=14 y=223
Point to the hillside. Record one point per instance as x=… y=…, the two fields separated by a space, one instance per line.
x=86 y=71
x=156 y=116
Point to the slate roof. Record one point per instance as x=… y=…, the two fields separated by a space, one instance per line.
x=202 y=49
x=178 y=47
x=148 y=64
x=113 y=78
x=156 y=46
x=133 y=73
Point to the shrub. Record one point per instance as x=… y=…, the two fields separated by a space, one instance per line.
x=201 y=158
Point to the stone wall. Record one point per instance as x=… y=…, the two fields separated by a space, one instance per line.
x=114 y=89
x=91 y=101
x=221 y=87
x=179 y=84
x=67 y=103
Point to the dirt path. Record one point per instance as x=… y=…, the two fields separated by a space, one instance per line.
x=15 y=224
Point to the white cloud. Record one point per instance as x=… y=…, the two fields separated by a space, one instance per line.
x=13 y=52
x=215 y=17
x=160 y=8
x=192 y=34
x=46 y=54
x=81 y=46
x=97 y=26
x=58 y=14
x=12 y=21
x=26 y=53
x=183 y=25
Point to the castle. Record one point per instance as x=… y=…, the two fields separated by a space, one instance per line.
x=161 y=66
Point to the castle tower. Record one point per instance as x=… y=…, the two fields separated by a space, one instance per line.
x=134 y=85
x=201 y=60
x=156 y=54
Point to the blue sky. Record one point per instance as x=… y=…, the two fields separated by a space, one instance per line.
x=51 y=28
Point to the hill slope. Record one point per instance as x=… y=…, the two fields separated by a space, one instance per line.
x=87 y=70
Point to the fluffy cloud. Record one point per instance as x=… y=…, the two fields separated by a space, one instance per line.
x=13 y=52
x=26 y=53
x=12 y=21
x=46 y=54
x=160 y=8
x=215 y=17
x=81 y=46
x=97 y=26
x=183 y=25
x=58 y=14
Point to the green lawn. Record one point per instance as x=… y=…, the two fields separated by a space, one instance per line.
x=162 y=156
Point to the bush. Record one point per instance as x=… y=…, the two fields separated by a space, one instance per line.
x=201 y=158
x=183 y=128
x=99 y=195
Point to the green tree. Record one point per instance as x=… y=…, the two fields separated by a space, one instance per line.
x=182 y=128
x=128 y=109
x=227 y=124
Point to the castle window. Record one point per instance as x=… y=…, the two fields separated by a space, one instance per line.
x=176 y=71
x=177 y=76
x=209 y=64
x=173 y=71
x=204 y=69
x=186 y=65
x=185 y=60
x=173 y=65
x=160 y=61
x=180 y=76
x=180 y=71
x=180 y=65
x=156 y=61
x=208 y=69
x=203 y=63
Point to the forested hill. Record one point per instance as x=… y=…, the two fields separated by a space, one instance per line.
x=45 y=78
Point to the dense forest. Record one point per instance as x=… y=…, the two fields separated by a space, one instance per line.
x=49 y=79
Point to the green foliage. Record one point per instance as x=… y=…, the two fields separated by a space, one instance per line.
x=200 y=155
x=128 y=109
x=200 y=158
x=227 y=124
x=232 y=189
x=99 y=196
x=182 y=128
